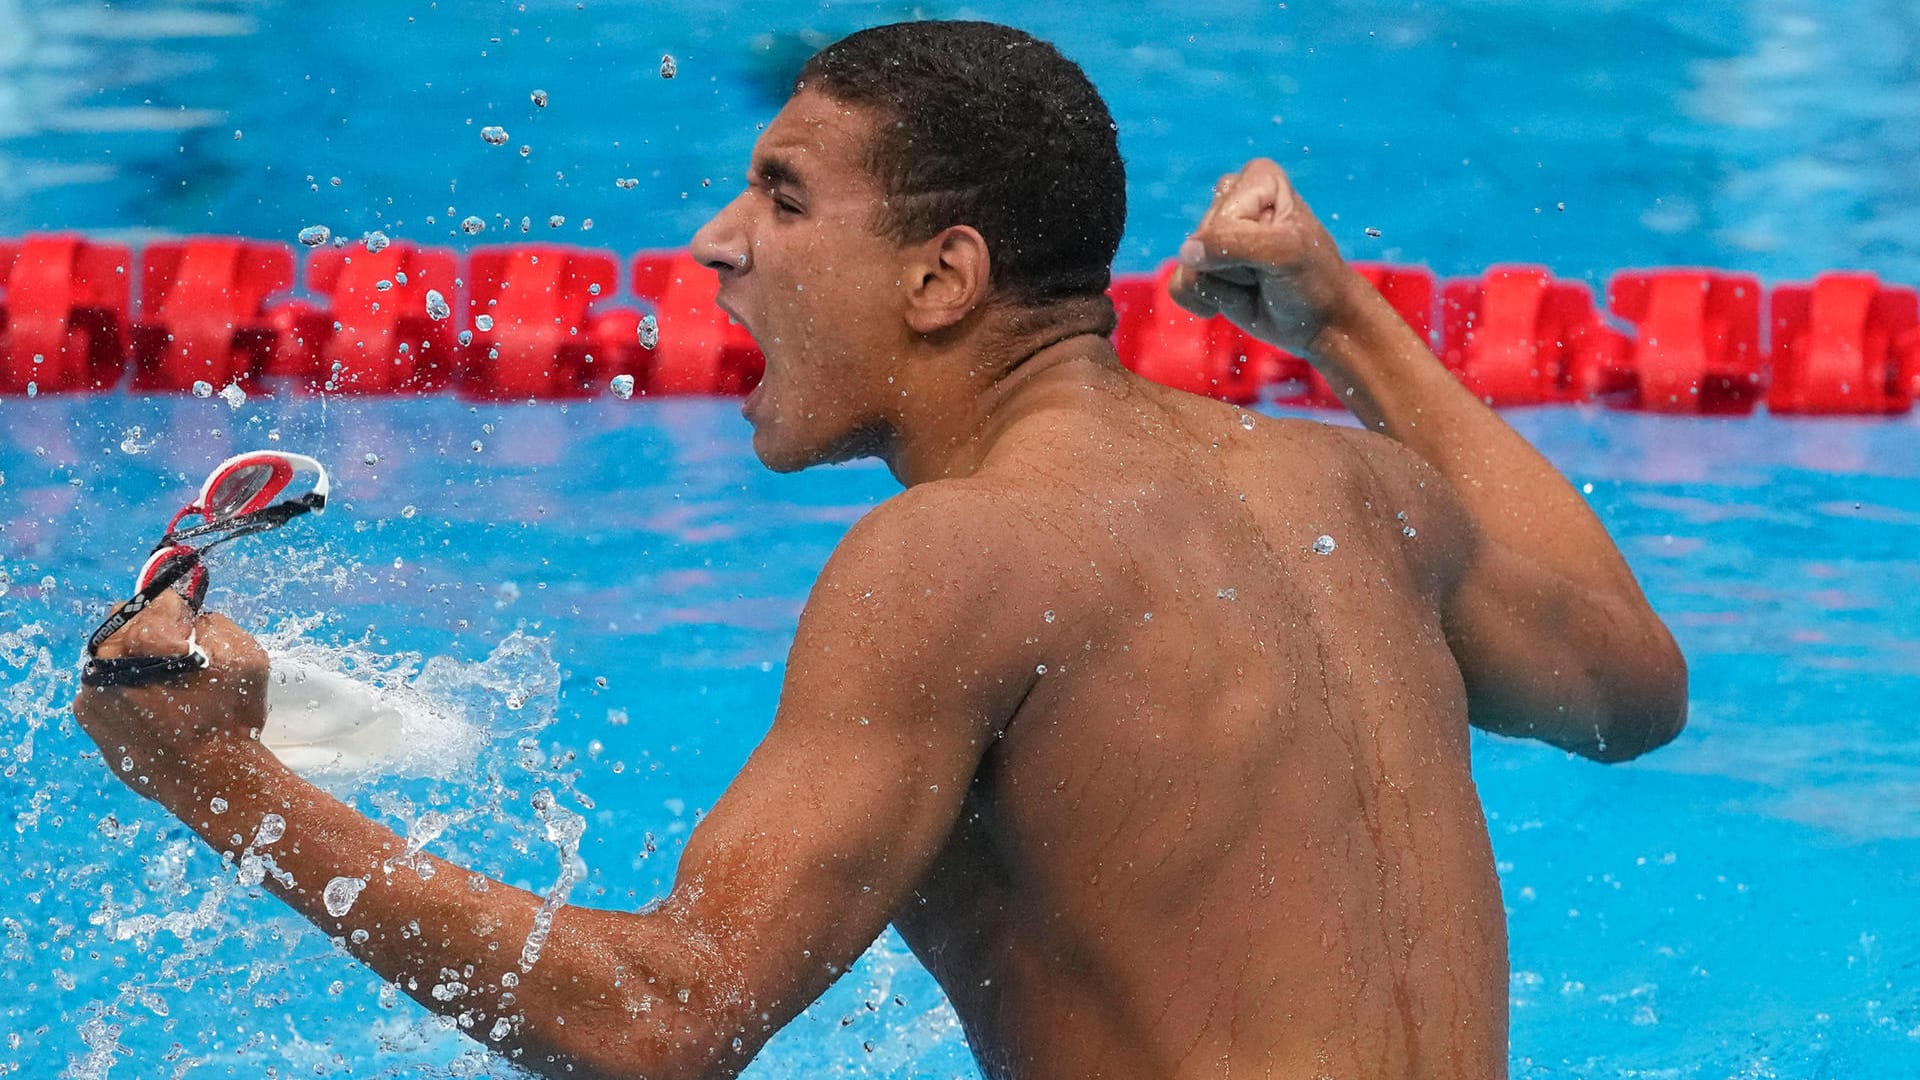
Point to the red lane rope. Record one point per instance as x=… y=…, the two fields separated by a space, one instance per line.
x=549 y=321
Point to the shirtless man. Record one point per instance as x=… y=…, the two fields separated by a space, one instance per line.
x=1153 y=785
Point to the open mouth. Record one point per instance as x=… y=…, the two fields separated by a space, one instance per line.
x=752 y=401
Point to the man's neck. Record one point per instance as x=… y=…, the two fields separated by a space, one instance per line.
x=949 y=422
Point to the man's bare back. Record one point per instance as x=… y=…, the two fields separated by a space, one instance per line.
x=1232 y=828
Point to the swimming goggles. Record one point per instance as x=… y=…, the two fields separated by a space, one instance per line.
x=237 y=500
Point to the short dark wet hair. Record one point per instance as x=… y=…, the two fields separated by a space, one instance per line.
x=993 y=128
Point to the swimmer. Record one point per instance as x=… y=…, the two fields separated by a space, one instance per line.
x=1153 y=781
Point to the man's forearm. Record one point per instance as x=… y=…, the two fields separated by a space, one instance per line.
x=1391 y=380
x=453 y=940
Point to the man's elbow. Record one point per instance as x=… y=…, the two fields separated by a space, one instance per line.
x=607 y=1054
x=660 y=1043
x=1650 y=714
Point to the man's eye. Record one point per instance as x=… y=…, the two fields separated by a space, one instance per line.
x=785 y=206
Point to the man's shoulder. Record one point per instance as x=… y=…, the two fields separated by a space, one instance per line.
x=1417 y=489
x=953 y=530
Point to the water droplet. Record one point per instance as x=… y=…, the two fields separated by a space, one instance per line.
x=1226 y=594
x=476 y=446
x=272 y=828
x=340 y=894
x=593 y=288
x=376 y=241
x=472 y=225
x=1371 y=231
x=315 y=235
x=233 y=396
x=622 y=386
x=668 y=69
x=202 y=388
x=1323 y=545
x=494 y=134
x=1408 y=531
x=437 y=308
x=6 y=583
x=1586 y=489
x=1040 y=669
x=1048 y=615
x=649 y=332
x=627 y=183
x=483 y=323
x=539 y=99
x=466 y=337
x=371 y=459
x=33 y=389
x=217 y=804
x=1246 y=421
x=554 y=221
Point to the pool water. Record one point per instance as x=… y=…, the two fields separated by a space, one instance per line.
x=1738 y=904
x=1773 y=136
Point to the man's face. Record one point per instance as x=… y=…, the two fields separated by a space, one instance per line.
x=802 y=269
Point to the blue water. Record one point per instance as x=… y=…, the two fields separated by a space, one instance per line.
x=1739 y=904
x=1776 y=136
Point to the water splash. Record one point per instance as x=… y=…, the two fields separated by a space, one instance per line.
x=564 y=830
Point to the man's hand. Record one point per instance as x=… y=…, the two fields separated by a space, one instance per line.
x=1262 y=259
x=158 y=732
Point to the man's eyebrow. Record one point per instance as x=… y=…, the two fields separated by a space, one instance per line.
x=779 y=171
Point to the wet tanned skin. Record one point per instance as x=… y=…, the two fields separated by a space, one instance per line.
x=1223 y=834
x=1153 y=788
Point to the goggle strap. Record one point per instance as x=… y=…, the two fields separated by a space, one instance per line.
x=164 y=579
x=246 y=524
x=143 y=670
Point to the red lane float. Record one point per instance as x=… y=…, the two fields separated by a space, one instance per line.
x=533 y=332
x=1518 y=337
x=374 y=330
x=203 y=311
x=543 y=321
x=1844 y=344
x=65 y=314
x=1697 y=343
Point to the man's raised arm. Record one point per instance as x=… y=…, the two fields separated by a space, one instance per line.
x=895 y=688
x=1552 y=633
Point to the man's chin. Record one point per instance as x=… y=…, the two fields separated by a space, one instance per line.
x=778 y=449
x=781 y=452
x=779 y=458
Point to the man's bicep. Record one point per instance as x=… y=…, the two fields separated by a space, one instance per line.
x=895 y=687
x=1546 y=658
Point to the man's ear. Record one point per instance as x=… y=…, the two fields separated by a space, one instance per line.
x=948 y=279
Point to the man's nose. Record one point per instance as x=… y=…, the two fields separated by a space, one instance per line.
x=721 y=244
